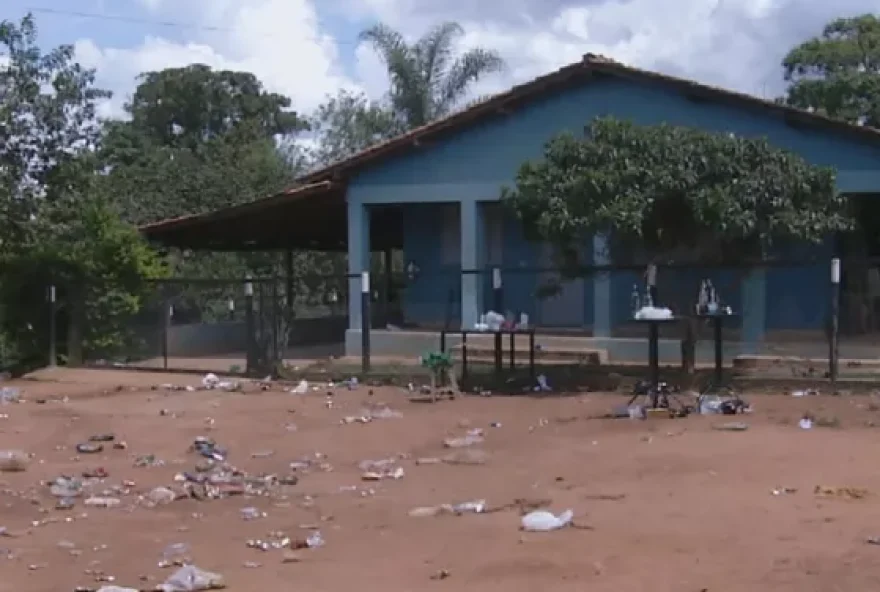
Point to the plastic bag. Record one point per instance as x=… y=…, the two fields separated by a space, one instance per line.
x=65 y=487
x=9 y=394
x=544 y=521
x=13 y=461
x=190 y=578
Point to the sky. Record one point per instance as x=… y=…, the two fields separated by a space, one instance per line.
x=307 y=49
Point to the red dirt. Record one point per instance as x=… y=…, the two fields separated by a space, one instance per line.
x=674 y=504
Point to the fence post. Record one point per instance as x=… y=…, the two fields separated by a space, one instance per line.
x=835 y=322
x=167 y=315
x=53 y=329
x=249 y=326
x=497 y=291
x=365 y=321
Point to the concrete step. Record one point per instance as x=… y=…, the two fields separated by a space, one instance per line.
x=762 y=362
x=543 y=355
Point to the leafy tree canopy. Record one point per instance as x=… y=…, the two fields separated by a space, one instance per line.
x=838 y=72
x=673 y=191
x=348 y=123
x=186 y=106
x=56 y=226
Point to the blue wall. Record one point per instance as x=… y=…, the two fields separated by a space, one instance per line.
x=474 y=163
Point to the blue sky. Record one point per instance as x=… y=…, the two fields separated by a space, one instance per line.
x=308 y=49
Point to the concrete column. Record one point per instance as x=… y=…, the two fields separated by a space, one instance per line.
x=358 y=258
x=601 y=288
x=754 y=309
x=472 y=259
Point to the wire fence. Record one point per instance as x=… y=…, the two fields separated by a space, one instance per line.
x=780 y=311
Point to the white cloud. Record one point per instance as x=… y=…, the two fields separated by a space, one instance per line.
x=278 y=40
x=731 y=43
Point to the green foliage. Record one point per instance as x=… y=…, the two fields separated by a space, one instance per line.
x=673 y=191
x=437 y=362
x=186 y=106
x=348 y=123
x=57 y=228
x=428 y=79
x=47 y=121
x=838 y=72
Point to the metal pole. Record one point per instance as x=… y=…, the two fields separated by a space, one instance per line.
x=835 y=321
x=249 y=326
x=53 y=313
x=365 y=321
x=167 y=315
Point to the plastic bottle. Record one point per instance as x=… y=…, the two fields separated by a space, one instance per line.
x=635 y=300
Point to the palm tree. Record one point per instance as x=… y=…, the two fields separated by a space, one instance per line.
x=427 y=79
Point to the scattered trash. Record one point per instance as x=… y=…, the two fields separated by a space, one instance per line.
x=102 y=438
x=89 y=448
x=190 y=578
x=543 y=385
x=853 y=493
x=161 y=496
x=471 y=507
x=103 y=502
x=66 y=487
x=874 y=540
x=463 y=442
x=474 y=507
x=9 y=394
x=376 y=470
x=208 y=448
x=300 y=389
x=805 y=393
x=721 y=405
x=251 y=513
x=313 y=541
x=13 y=461
x=210 y=381
x=544 y=521
x=441 y=574
x=784 y=491
x=175 y=553
x=805 y=423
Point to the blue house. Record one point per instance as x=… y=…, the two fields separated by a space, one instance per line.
x=434 y=192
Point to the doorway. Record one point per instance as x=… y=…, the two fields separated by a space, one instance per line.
x=859 y=251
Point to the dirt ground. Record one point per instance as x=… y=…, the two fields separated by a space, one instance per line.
x=670 y=504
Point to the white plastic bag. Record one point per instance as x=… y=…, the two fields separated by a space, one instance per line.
x=544 y=521
x=190 y=578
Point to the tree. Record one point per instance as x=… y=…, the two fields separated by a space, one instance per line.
x=838 y=72
x=348 y=123
x=47 y=120
x=674 y=191
x=427 y=79
x=55 y=228
x=186 y=106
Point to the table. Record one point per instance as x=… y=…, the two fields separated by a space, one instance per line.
x=654 y=359
x=498 y=349
x=717 y=320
